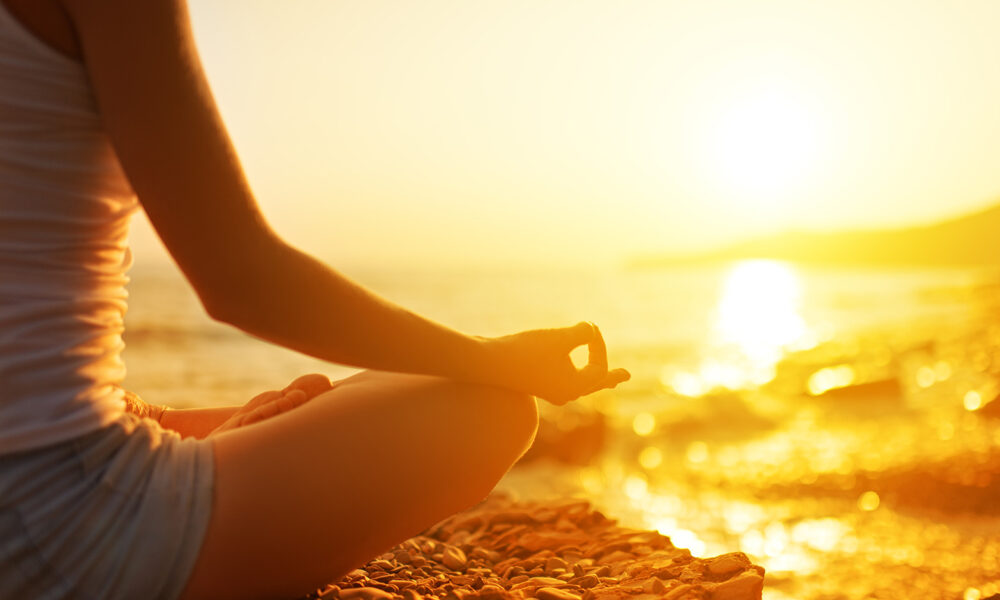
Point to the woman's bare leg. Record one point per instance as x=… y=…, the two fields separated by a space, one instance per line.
x=302 y=498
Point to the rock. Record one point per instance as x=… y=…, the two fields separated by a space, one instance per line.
x=382 y=565
x=490 y=588
x=513 y=571
x=411 y=595
x=365 y=593
x=548 y=593
x=678 y=592
x=616 y=556
x=454 y=558
x=537 y=582
x=727 y=563
x=492 y=592
x=745 y=586
x=585 y=581
x=555 y=563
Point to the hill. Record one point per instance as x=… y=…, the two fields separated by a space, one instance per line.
x=970 y=240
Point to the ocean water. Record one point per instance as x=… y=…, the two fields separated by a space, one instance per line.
x=834 y=424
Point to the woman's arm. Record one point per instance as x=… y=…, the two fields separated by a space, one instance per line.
x=170 y=139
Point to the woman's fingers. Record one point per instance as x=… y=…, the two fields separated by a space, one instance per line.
x=275 y=404
x=291 y=400
x=614 y=377
x=597 y=350
x=577 y=335
x=587 y=333
x=593 y=379
x=312 y=384
x=262 y=398
x=589 y=378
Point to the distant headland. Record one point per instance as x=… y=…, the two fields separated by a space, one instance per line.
x=969 y=240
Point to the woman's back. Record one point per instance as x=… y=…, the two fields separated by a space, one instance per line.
x=64 y=212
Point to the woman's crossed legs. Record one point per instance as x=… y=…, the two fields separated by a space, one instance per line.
x=304 y=497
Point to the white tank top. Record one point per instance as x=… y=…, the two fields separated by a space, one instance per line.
x=65 y=207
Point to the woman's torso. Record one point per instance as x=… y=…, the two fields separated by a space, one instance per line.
x=64 y=212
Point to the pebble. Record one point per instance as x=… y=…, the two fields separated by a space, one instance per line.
x=678 y=592
x=365 y=593
x=454 y=558
x=727 y=563
x=555 y=594
x=586 y=581
x=502 y=550
x=555 y=563
x=744 y=585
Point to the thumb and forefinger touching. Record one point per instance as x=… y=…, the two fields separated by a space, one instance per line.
x=595 y=375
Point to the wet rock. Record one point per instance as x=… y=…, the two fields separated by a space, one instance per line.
x=454 y=558
x=554 y=594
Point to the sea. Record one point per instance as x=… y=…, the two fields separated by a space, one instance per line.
x=836 y=424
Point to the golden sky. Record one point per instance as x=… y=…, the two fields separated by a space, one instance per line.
x=518 y=130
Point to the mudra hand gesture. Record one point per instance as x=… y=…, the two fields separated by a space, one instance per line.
x=538 y=362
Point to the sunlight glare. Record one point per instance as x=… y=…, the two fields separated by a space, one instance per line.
x=764 y=142
x=756 y=320
x=759 y=310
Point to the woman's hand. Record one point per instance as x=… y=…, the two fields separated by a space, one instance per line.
x=273 y=402
x=538 y=362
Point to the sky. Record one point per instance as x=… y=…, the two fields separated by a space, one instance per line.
x=559 y=131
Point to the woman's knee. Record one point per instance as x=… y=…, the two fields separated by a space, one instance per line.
x=514 y=416
x=501 y=427
x=480 y=412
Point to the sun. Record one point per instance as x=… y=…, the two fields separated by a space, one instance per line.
x=763 y=143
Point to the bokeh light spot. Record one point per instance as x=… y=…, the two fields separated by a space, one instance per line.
x=643 y=424
x=868 y=501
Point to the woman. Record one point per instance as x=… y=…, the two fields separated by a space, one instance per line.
x=102 y=496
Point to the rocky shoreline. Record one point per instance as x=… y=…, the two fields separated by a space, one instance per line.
x=505 y=550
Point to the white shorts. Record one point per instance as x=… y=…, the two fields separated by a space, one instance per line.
x=117 y=513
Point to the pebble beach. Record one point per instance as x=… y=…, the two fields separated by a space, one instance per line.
x=505 y=550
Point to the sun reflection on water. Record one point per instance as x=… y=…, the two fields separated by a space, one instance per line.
x=757 y=319
x=758 y=310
